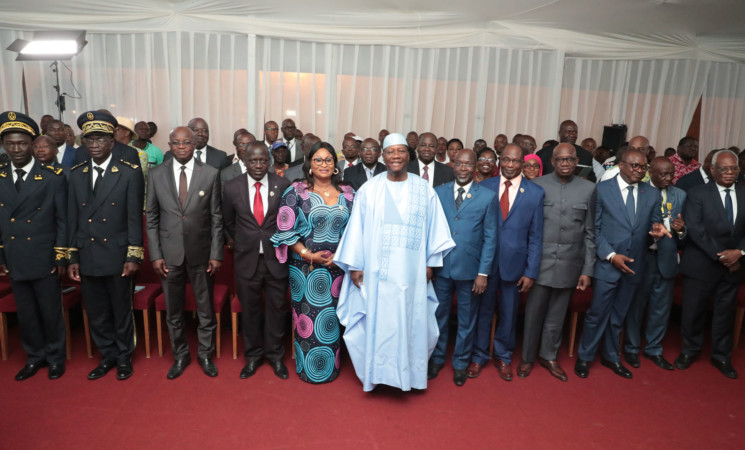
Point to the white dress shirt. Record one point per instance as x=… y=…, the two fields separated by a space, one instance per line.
x=466 y=188
x=103 y=165
x=202 y=155
x=512 y=194
x=177 y=172
x=292 y=149
x=430 y=171
x=27 y=168
x=703 y=174
x=264 y=192
x=61 y=152
x=732 y=194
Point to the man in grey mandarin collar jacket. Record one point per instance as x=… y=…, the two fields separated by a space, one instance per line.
x=184 y=232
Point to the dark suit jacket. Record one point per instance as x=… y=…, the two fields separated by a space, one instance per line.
x=614 y=231
x=298 y=153
x=68 y=159
x=106 y=229
x=520 y=235
x=214 y=157
x=690 y=181
x=356 y=175
x=242 y=226
x=33 y=222
x=667 y=248
x=474 y=230
x=443 y=173
x=295 y=172
x=196 y=230
x=230 y=172
x=709 y=233
x=585 y=159
x=118 y=152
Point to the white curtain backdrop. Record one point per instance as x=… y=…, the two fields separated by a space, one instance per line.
x=654 y=98
x=239 y=80
x=723 y=107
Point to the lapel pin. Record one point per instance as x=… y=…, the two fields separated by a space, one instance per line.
x=85 y=170
x=271 y=193
x=469 y=195
x=37 y=177
x=114 y=169
x=522 y=191
x=201 y=193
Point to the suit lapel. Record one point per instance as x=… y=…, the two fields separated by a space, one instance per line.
x=469 y=197
x=8 y=189
x=274 y=197
x=32 y=182
x=716 y=198
x=168 y=165
x=245 y=193
x=194 y=183
x=518 y=197
x=617 y=197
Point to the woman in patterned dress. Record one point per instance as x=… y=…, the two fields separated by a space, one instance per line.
x=311 y=220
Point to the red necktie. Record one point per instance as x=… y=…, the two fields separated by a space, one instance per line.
x=258 y=205
x=504 y=201
x=426 y=173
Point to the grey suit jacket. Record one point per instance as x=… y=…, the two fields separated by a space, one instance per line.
x=193 y=233
x=230 y=172
x=294 y=172
x=568 y=231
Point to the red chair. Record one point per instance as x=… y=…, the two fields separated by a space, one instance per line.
x=579 y=304
x=148 y=288
x=70 y=297
x=223 y=290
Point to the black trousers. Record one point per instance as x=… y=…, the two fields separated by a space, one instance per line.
x=696 y=294
x=108 y=301
x=262 y=337
x=174 y=289
x=39 y=304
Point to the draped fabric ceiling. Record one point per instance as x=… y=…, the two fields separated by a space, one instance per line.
x=468 y=69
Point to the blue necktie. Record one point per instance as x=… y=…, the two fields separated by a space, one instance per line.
x=728 y=207
x=630 y=208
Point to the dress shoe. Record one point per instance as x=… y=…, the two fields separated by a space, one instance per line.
x=553 y=368
x=56 y=371
x=29 y=370
x=523 y=370
x=683 y=361
x=632 y=359
x=250 y=368
x=582 y=368
x=433 y=370
x=617 y=368
x=473 y=370
x=208 y=367
x=124 y=370
x=505 y=370
x=178 y=368
x=459 y=377
x=725 y=367
x=659 y=361
x=102 y=369
x=279 y=369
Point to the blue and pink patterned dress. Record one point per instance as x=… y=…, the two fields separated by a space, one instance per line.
x=303 y=216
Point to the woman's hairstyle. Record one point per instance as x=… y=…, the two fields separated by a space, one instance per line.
x=335 y=178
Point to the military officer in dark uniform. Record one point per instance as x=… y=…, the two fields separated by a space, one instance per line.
x=33 y=244
x=105 y=218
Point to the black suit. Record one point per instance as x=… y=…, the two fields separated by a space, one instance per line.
x=442 y=173
x=356 y=175
x=690 y=180
x=105 y=233
x=214 y=157
x=703 y=276
x=259 y=272
x=118 y=152
x=33 y=240
x=585 y=159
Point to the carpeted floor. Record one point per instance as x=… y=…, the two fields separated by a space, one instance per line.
x=697 y=408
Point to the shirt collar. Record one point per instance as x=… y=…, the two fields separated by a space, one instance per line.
x=27 y=168
x=104 y=165
x=703 y=174
x=722 y=188
x=623 y=184
x=189 y=164
x=62 y=147
x=515 y=181
x=264 y=180
x=466 y=187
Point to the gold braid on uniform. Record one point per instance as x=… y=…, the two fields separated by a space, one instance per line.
x=134 y=166
x=135 y=252
x=72 y=255
x=79 y=165
x=54 y=170
x=61 y=254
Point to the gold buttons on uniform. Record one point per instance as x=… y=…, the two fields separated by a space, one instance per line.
x=12 y=219
x=113 y=204
x=28 y=238
x=12 y=238
x=28 y=221
x=105 y=240
x=104 y=220
x=92 y=239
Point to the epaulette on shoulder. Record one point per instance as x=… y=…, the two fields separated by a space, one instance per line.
x=4 y=165
x=54 y=170
x=79 y=165
x=127 y=163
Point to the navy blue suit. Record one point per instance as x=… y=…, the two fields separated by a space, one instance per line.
x=616 y=232
x=656 y=290
x=68 y=159
x=474 y=229
x=518 y=254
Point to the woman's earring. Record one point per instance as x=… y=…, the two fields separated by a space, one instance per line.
x=336 y=171
x=310 y=172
